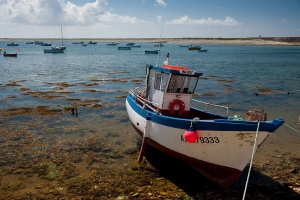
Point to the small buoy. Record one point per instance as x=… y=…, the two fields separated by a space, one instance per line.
x=190 y=135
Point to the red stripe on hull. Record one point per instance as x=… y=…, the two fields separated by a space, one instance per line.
x=220 y=175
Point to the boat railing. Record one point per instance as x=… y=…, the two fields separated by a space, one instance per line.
x=211 y=104
x=139 y=95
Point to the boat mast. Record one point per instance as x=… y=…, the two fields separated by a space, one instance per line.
x=159 y=45
x=62 y=37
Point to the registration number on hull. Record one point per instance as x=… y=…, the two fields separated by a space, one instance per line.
x=204 y=140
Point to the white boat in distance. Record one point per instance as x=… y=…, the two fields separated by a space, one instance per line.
x=218 y=146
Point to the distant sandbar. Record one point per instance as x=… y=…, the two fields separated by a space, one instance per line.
x=280 y=41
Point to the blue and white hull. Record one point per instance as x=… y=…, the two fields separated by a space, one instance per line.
x=223 y=147
x=218 y=146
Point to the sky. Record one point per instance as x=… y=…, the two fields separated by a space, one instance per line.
x=149 y=18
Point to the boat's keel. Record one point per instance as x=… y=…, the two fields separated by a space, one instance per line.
x=143 y=148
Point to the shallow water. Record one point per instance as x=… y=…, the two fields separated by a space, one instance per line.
x=95 y=79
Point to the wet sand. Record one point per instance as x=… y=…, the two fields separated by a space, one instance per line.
x=48 y=153
x=51 y=153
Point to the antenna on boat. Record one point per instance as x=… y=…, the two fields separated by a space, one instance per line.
x=159 y=45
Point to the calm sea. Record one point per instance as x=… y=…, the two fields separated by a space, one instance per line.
x=97 y=78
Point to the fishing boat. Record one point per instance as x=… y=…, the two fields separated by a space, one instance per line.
x=124 y=48
x=198 y=47
x=151 y=51
x=183 y=45
x=164 y=114
x=10 y=54
x=54 y=50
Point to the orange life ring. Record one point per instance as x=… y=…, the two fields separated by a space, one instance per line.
x=173 y=104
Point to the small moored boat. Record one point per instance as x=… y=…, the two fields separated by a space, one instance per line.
x=151 y=51
x=130 y=44
x=198 y=47
x=218 y=146
x=54 y=50
x=46 y=44
x=112 y=44
x=10 y=54
x=124 y=48
x=159 y=45
x=91 y=42
x=62 y=47
x=38 y=42
x=12 y=44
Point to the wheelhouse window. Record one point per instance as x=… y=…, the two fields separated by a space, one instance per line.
x=182 y=84
x=161 y=81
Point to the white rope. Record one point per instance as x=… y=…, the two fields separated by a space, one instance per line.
x=253 y=151
x=291 y=128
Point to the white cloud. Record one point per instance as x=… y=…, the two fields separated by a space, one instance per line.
x=159 y=17
x=160 y=3
x=228 y=21
x=57 y=12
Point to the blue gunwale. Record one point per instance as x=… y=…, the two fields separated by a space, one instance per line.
x=210 y=125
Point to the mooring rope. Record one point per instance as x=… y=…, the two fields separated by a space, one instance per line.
x=291 y=128
x=253 y=151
